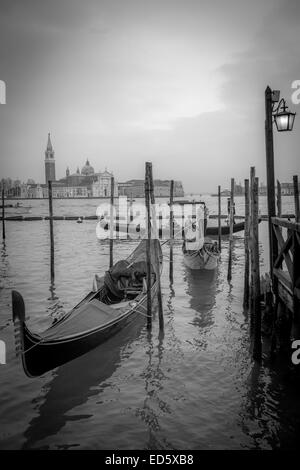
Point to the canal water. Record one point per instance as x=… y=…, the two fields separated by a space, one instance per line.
x=195 y=388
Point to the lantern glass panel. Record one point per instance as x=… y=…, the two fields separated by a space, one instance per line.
x=282 y=122
x=291 y=121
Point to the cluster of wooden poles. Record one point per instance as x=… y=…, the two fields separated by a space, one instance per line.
x=253 y=284
x=251 y=299
x=252 y=295
x=150 y=206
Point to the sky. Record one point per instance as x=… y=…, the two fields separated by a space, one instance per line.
x=179 y=83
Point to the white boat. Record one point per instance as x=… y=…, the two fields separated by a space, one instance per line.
x=199 y=252
x=205 y=258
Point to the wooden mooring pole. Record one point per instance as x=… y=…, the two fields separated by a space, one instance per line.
x=156 y=254
x=296 y=198
x=246 y=237
x=257 y=346
x=51 y=230
x=131 y=210
x=111 y=223
x=273 y=252
x=279 y=201
x=148 y=246
x=251 y=252
x=219 y=218
x=231 y=216
x=3 y=215
x=171 y=230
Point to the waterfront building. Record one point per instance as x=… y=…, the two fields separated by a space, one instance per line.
x=34 y=191
x=84 y=183
x=60 y=191
x=287 y=189
x=102 y=186
x=136 y=188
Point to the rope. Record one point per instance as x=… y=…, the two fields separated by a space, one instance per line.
x=33 y=346
x=178 y=231
x=142 y=313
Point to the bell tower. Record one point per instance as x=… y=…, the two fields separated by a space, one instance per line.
x=49 y=162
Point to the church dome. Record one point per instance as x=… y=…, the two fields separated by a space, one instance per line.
x=87 y=169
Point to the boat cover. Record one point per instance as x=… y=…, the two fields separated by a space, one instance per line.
x=123 y=276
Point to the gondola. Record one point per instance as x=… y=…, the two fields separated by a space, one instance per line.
x=118 y=298
x=199 y=252
x=225 y=229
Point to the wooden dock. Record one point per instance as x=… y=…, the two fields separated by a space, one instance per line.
x=286 y=272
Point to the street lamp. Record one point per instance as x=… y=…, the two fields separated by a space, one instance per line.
x=283 y=118
x=284 y=121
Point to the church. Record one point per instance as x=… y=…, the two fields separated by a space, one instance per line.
x=84 y=183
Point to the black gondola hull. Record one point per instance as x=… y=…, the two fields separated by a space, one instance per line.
x=60 y=344
x=225 y=229
x=211 y=231
x=39 y=358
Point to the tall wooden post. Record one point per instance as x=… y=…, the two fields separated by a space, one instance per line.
x=3 y=215
x=148 y=247
x=159 y=294
x=246 y=237
x=111 y=223
x=270 y=174
x=257 y=346
x=51 y=230
x=131 y=210
x=251 y=236
x=160 y=226
x=296 y=198
x=279 y=202
x=219 y=217
x=171 y=229
x=229 y=274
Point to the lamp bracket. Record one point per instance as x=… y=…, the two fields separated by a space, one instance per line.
x=275 y=96
x=280 y=107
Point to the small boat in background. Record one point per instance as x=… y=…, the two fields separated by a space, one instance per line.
x=118 y=298
x=79 y=220
x=15 y=209
x=225 y=229
x=199 y=252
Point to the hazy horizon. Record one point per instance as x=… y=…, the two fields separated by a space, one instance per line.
x=177 y=83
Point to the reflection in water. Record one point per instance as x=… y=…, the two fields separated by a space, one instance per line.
x=154 y=405
x=265 y=415
x=55 y=309
x=4 y=263
x=201 y=287
x=73 y=383
x=53 y=296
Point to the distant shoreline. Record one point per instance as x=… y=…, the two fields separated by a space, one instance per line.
x=66 y=198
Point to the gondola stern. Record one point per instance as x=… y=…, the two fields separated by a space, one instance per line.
x=18 y=307
x=18 y=313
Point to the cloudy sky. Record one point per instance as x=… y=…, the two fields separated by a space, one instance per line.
x=176 y=82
